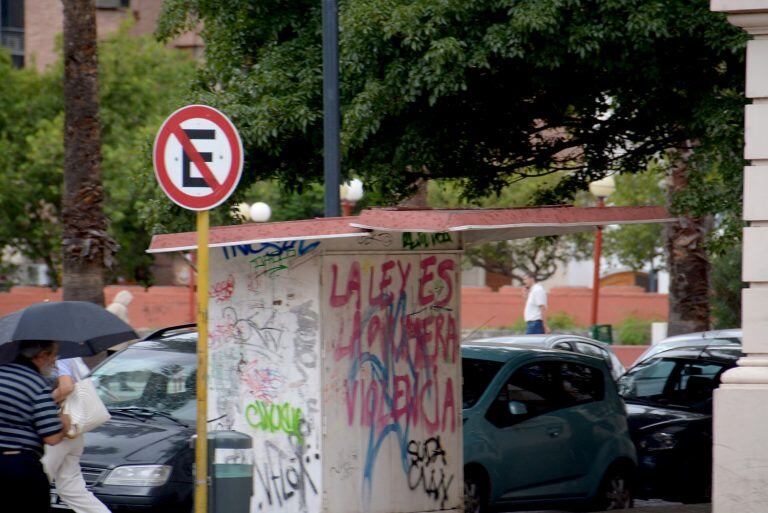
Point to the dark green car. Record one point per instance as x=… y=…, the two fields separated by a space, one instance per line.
x=543 y=428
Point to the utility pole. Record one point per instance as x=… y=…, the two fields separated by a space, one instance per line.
x=331 y=109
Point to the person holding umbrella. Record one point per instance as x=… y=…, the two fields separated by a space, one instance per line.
x=28 y=414
x=29 y=418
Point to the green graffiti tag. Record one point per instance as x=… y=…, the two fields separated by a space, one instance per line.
x=417 y=240
x=272 y=418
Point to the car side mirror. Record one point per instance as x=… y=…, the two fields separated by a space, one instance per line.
x=517 y=408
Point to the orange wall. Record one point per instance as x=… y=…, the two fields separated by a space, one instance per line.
x=628 y=354
x=482 y=308
x=155 y=307
x=164 y=306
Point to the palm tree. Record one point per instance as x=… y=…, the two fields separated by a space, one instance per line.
x=689 y=309
x=86 y=245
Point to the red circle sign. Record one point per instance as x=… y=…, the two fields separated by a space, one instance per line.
x=198 y=157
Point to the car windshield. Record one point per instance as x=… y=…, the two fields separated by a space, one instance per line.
x=477 y=375
x=151 y=380
x=673 y=382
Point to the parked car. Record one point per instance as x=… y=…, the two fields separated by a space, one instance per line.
x=573 y=343
x=141 y=459
x=669 y=403
x=543 y=428
x=697 y=339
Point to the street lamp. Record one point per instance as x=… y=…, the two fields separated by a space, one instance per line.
x=350 y=192
x=260 y=212
x=601 y=189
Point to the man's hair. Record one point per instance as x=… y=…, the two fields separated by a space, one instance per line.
x=531 y=275
x=29 y=349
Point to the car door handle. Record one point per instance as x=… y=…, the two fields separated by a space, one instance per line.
x=553 y=432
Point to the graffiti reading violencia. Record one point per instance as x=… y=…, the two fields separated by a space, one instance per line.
x=397 y=332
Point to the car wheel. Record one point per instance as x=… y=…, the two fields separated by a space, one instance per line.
x=475 y=492
x=615 y=491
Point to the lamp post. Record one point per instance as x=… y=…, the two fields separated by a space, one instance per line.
x=601 y=189
x=350 y=192
x=260 y=212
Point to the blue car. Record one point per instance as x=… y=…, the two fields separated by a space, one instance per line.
x=543 y=428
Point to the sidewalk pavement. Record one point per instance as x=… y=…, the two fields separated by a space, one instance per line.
x=683 y=508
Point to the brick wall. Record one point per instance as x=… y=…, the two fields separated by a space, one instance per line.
x=482 y=307
x=155 y=307
x=43 y=20
x=164 y=306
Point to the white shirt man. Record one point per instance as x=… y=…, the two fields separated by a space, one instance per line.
x=535 y=307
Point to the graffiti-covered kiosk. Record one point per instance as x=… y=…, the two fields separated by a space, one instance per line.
x=334 y=352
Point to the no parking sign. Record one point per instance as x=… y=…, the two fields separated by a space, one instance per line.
x=198 y=157
x=198 y=160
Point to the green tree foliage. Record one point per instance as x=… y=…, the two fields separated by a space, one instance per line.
x=637 y=245
x=726 y=285
x=634 y=331
x=540 y=256
x=141 y=82
x=483 y=91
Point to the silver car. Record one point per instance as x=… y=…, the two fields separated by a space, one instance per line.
x=573 y=343
x=731 y=337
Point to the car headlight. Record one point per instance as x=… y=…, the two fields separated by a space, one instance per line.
x=139 y=475
x=662 y=440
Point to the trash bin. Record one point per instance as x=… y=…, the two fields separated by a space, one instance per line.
x=231 y=475
x=601 y=332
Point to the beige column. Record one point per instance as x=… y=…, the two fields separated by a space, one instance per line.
x=740 y=452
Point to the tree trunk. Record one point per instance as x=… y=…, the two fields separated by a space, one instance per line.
x=688 y=261
x=87 y=247
x=420 y=198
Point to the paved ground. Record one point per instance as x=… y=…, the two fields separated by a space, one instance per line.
x=656 y=506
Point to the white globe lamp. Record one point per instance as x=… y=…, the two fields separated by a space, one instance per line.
x=260 y=212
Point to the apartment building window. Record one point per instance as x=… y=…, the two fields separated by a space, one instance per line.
x=112 y=4
x=12 y=29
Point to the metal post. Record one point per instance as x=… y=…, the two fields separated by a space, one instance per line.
x=331 y=109
x=596 y=276
x=201 y=446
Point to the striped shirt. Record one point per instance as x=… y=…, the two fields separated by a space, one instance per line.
x=27 y=411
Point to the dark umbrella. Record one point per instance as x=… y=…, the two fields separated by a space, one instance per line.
x=81 y=328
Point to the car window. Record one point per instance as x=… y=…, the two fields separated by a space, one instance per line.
x=536 y=386
x=563 y=345
x=647 y=379
x=589 y=349
x=476 y=376
x=581 y=384
x=157 y=380
x=673 y=382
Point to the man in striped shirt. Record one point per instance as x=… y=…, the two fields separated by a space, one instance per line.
x=28 y=418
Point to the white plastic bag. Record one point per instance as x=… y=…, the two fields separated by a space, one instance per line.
x=83 y=405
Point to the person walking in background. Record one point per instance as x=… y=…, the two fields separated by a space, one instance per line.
x=29 y=418
x=535 y=314
x=62 y=462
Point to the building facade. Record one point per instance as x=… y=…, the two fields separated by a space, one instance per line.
x=30 y=28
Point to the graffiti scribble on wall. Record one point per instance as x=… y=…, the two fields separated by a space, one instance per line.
x=264 y=380
x=421 y=240
x=427 y=469
x=223 y=290
x=397 y=333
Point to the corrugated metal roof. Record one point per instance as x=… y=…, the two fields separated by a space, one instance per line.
x=252 y=233
x=478 y=225
x=483 y=225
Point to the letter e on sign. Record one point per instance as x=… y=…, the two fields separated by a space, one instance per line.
x=198 y=157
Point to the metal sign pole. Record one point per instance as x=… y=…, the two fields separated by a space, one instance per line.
x=331 y=116
x=201 y=447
